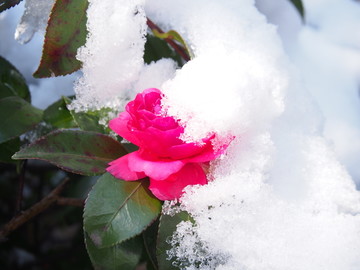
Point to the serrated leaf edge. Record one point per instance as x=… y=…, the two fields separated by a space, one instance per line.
x=119 y=242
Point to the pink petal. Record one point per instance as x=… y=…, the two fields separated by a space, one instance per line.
x=193 y=153
x=120 y=169
x=156 y=169
x=207 y=154
x=157 y=141
x=152 y=99
x=172 y=188
x=120 y=126
x=165 y=123
x=149 y=99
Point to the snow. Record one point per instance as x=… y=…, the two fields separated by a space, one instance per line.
x=285 y=17
x=197 y=86
x=283 y=196
x=279 y=199
x=112 y=60
x=34 y=19
x=326 y=52
x=328 y=48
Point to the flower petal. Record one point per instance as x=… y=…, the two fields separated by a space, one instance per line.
x=184 y=150
x=207 y=154
x=194 y=152
x=156 y=141
x=120 y=126
x=152 y=99
x=157 y=169
x=172 y=188
x=120 y=169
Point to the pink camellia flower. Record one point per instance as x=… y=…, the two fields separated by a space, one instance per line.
x=170 y=163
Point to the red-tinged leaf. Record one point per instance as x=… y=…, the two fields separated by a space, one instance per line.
x=65 y=33
x=172 y=34
x=81 y=152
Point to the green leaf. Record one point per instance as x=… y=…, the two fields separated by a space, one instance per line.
x=124 y=256
x=12 y=83
x=58 y=115
x=65 y=33
x=89 y=120
x=166 y=229
x=7 y=149
x=299 y=6
x=149 y=238
x=81 y=152
x=118 y=210
x=156 y=49
x=16 y=117
x=5 y=4
x=172 y=34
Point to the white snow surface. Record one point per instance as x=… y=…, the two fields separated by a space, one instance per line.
x=113 y=56
x=279 y=198
x=326 y=52
x=328 y=55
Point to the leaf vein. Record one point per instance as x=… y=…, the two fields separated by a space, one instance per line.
x=122 y=205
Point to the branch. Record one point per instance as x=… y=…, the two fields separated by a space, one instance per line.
x=179 y=49
x=70 y=202
x=36 y=209
x=19 y=197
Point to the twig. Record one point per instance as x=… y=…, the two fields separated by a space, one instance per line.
x=36 y=209
x=19 y=197
x=70 y=202
x=179 y=49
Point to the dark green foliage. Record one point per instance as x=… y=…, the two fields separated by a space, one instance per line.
x=118 y=210
x=156 y=49
x=16 y=117
x=125 y=255
x=12 y=83
x=299 y=6
x=7 y=149
x=59 y=116
x=166 y=229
